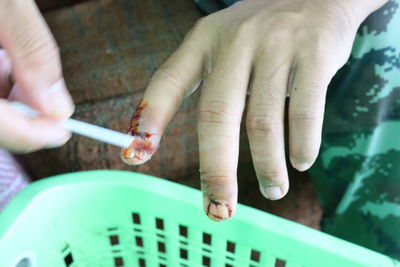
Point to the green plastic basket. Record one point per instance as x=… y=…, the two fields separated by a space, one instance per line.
x=114 y=218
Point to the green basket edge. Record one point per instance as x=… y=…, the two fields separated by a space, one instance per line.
x=180 y=192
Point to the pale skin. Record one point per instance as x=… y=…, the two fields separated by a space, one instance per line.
x=270 y=50
x=30 y=72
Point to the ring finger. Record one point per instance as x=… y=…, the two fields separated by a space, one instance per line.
x=265 y=124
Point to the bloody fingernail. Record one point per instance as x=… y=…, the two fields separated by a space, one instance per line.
x=144 y=144
x=218 y=210
x=140 y=150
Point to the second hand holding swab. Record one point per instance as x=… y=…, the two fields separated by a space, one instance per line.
x=83 y=128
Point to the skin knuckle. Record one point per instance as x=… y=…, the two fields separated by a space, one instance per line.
x=210 y=177
x=284 y=26
x=245 y=27
x=168 y=74
x=201 y=26
x=286 y=21
x=305 y=113
x=30 y=43
x=263 y=125
x=218 y=112
x=239 y=32
x=343 y=12
x=39 y=53
x=341 y=19
x=272 y=42
x=293 y=20
x=272 y=175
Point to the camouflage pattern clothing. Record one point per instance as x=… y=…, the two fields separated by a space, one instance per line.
x=357 y=174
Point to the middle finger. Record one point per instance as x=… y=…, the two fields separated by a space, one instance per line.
x=221 y=107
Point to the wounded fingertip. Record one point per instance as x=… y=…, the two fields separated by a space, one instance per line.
x=218 y=210
x=133 y=160
x=140 y=150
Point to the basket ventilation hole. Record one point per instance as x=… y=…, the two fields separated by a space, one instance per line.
x=183 y=253
x=114 y=240
x=118 y=261
x=206 y=238
x=136 y=218
x=230 y=246
x=25 y=262
x=183 y=231
x=139 y=241
x=161 y=247
x=68 y=259
x=280 y=263
x=206 y=261
x=255 y=255
x=142 y=263
x=162 y=265
x=160 y=224
x=228 y=265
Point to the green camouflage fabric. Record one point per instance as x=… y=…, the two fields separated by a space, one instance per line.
x=357 y=174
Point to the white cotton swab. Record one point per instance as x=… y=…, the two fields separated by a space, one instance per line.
x=99 y=133
x=83 y=128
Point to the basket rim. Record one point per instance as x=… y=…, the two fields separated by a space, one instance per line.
x=171 y=189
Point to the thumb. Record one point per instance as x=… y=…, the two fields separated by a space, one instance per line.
x=35 y=58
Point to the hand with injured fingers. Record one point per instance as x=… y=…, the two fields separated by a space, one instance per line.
x=30 y=72
x=270 y=50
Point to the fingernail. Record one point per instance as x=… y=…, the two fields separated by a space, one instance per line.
x=145 y=143
x=300 y=166
x=58 y=101
x=272 y=192
x=218 y=210
x=142 y=148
